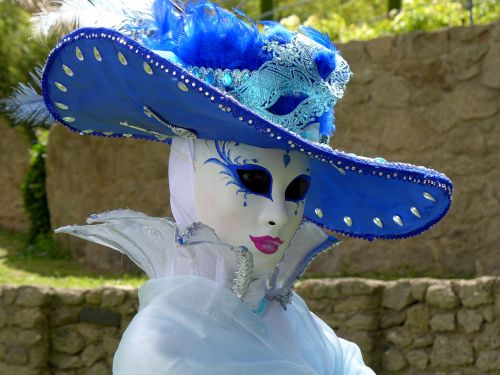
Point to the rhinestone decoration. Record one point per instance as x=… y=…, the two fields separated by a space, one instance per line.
x=68 y=70
x=398 y=220
x=61 y=105
x=122 y=58
x=181 y=132
x=147 y=68
x=244 y=266
x=157 y=135
x=318 y=212
x=348 y=221
x=224 y=79
x=259 y=89
x=61 y=87
x=429 y=196
x=229 y=80
x=79 y=54
x=97 y=54
x=415 y=211
x=378 y=222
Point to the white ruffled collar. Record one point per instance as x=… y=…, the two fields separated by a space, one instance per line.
x=162 y=248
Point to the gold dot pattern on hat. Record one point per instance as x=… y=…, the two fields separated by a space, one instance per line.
x=79 y=54
x=378 y=222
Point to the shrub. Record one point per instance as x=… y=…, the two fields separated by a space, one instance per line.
x=363 y=20
x=19 y=53
x=34 y=194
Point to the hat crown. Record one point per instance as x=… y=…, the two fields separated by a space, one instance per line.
x=291 y=79
x=294 y=88
x=290 y=91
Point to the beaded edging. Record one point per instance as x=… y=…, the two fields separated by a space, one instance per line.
x=347 y=163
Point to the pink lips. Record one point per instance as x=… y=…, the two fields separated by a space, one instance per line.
x=266 y=244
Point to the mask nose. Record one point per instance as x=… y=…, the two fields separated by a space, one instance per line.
x=275 y=215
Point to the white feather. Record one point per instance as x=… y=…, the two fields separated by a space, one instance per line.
x=26 y=104
x=69 y=15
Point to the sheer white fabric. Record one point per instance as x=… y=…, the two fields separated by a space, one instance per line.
x=204 y=311
x=190 y=325
x=161 y=248
x=181 y=180
x=189 y=320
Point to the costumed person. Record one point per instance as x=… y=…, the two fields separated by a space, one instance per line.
x=253 y=182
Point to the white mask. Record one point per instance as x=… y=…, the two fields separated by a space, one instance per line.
x=250 y=196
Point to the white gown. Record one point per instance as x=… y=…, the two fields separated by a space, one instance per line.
x=204 y=311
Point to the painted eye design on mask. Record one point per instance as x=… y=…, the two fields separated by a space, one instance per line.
x=298 y=188
x=249 y=178
x=256 y=179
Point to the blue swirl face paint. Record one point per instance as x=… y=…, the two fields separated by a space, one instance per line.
x=240 y=171
x=249 y=197
x=286 y=159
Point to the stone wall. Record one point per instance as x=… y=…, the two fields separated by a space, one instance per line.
x=426 y=98
x=405 y=327
x=414 y=326
x=87 y=175
x=14 y=163
x=62 y=332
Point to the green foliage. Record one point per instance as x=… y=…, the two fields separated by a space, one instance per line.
x=250 y=7
x=19 y=53
x=19 y=268
x=361 y=20
x=486 y=11
x=425 y=15
x=43 y=246
x=34 y=194
x=351 y=12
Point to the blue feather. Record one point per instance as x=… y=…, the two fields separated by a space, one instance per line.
x=207 y=35
x=204 y=34
x=326 y=123
x=325 y=62
x=318 y=37
x=277 y=32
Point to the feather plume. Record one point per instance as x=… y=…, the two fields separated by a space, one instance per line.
x=318 y=37
x=200 y=33
x=26 y=104
x=205 y=34
x=327 y=123
x=66 y=15
x=325 y=62
x=276 y=32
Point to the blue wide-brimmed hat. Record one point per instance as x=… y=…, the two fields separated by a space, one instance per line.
x=196 y=70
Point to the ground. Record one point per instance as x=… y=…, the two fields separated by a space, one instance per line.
x=16 y=268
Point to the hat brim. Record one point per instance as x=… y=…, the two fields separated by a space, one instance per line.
x=99 y=82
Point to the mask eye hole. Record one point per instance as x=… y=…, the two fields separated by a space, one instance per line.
x=298 y=188
x=256 y=180
x=286 y=104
